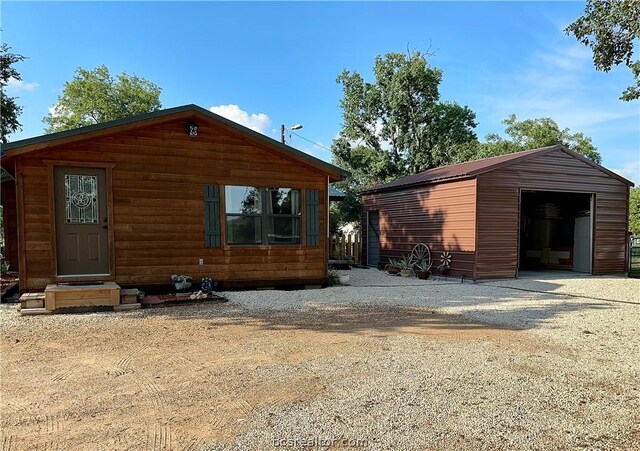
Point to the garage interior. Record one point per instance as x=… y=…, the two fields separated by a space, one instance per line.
x=555 y=231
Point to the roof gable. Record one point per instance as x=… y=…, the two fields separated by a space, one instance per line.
x=473 y=168
x=28 y=145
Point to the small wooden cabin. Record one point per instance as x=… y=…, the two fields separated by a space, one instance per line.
x=540 y=209
x=177 y=191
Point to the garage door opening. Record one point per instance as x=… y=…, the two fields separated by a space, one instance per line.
x=555 y=231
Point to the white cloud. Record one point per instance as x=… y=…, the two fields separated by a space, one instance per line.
x=560 y=82
x=259 y=122
x=630 y=171
x=14 y=85
x=574 y=58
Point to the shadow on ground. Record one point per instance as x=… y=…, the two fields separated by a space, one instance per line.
x=379 y=319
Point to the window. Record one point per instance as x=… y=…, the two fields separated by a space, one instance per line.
x=262 y=215
x=283 y=216
x=244 y=215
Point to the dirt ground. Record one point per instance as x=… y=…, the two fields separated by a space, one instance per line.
x=158 y=383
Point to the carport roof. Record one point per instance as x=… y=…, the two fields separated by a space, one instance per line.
x=476 y=167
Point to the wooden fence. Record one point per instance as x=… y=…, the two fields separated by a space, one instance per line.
x=634 y=258
x=346 y=246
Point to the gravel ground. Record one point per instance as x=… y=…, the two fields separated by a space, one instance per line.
x=570 y=381
x=385 y=363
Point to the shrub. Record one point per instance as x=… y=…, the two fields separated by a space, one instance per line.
x=332 y=277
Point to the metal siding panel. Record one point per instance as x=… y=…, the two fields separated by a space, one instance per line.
x=440 y=215
x=498 y=211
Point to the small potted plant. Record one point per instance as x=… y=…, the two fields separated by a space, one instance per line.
x=393 y=267
x=406 y=266
x=181 y=282
x=343 y=280
x=208 y=285
x=423 y=269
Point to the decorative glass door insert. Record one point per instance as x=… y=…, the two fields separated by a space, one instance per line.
x=81 y=199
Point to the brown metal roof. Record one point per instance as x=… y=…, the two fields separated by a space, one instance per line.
x=473 y=168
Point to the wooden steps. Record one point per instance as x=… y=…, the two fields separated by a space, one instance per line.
x=129 y=296
x=63 y=295
x=32 y=301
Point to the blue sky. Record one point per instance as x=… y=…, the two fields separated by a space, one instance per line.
x=264 y=64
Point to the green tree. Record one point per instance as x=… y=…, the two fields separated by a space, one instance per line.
x=94 y=96
x=527 y=134
x=611 y=28
x=634 y=211
x=395 y=125
x=9 y=109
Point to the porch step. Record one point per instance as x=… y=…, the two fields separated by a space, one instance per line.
x=129 y=296
x=34 y=311
x=32 y=300
x=62 y=295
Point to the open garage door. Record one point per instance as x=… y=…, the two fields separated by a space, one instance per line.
x=556 y=231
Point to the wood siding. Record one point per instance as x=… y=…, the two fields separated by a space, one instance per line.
x=10 y=223
x=440 y=215
x=158 y=178
x=499 y=215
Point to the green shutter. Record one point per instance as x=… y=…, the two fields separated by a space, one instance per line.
x=211 y=216
x=313 y=217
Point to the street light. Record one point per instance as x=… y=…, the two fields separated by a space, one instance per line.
x=284 y=129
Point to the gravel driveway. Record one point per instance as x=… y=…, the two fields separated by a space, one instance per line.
x=384 y=363
x=567 y=379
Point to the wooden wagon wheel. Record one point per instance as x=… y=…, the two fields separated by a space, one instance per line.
x=421 y=253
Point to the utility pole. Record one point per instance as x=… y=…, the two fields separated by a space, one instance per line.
x=283 y=129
